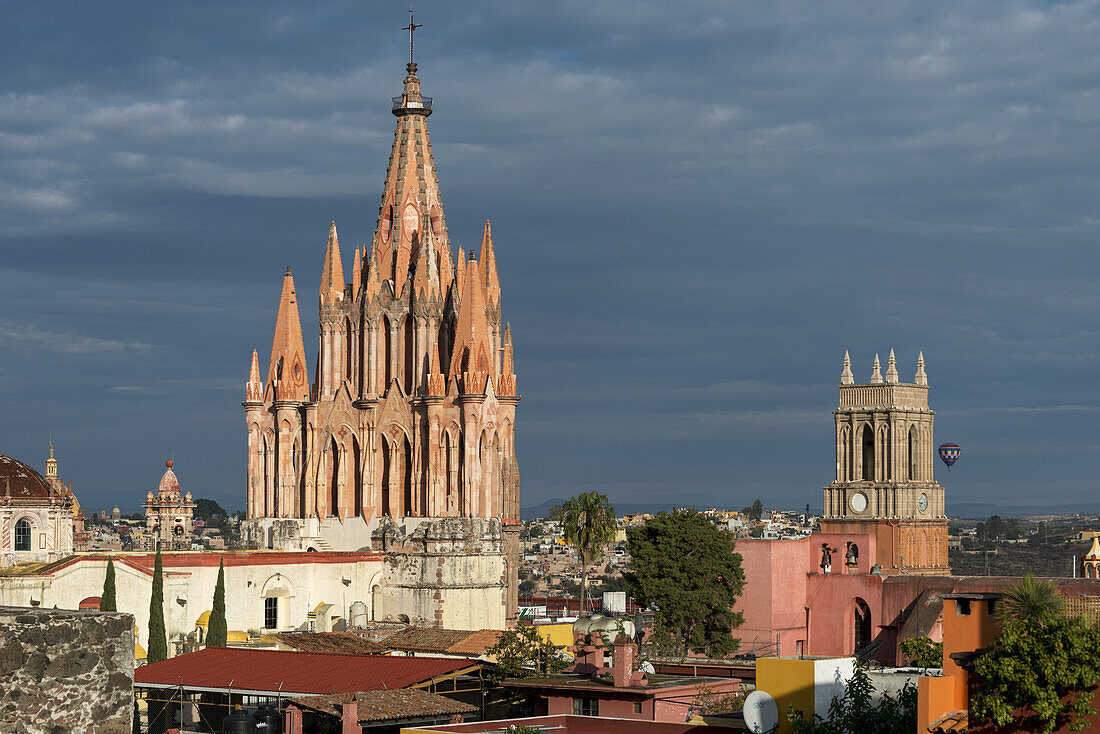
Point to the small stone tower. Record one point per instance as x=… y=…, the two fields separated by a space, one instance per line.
x=884 y=482
x=168 y=514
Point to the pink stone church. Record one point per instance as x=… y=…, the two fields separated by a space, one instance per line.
x=404 y=439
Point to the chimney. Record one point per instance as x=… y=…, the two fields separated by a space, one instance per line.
x=622 y=667
x=349 y=717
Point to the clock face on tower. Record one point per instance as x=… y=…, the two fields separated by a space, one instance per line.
x=859 y=502
x=922 y=502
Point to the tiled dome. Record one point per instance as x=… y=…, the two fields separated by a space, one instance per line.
x=169 y=484
x=19 y=481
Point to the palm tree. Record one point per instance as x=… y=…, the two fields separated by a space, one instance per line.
x=588 y=523
x=1030 y=601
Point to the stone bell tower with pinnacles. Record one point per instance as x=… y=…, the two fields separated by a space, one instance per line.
x=404 y=442
x=884 y=470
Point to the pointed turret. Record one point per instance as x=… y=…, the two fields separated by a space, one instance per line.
x=846 y=376
x=254 y=390
x=287 y=370
x=356 y=274
x=460 y=274
x=471 y=357
x=488 y=262
x=876 y=376
x=892 y=369
x=437 y=383
x=921 y=377
x=506 y=383
x=332 y=272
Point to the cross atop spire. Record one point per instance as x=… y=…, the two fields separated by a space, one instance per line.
x=411 y=28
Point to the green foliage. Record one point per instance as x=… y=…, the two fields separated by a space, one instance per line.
x=1030 y=600
x=1044 y=664
x=521 y=653
x=922 y=652
x=856 y=713
x=107 y=601
x=527 y=586
x=755 y=511
x=588 y=524
x=686 y=570
x=710 y=701
x=137 y=719
x=522 y=729
x=756 y=532
x=206 y=509
x=554 y=513
x=217 y=632
x=157 y=649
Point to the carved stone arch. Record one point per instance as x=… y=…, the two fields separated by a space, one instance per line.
x=277 y=585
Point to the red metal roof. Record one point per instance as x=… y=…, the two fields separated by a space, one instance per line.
x=292 y=672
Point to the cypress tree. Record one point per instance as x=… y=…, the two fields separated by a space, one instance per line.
x=107 y=598
x=216 y=630
x=158 y=639
x=137 y=719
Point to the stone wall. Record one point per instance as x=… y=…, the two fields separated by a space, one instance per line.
x=66 y=671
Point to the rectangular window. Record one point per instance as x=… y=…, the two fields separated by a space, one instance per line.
x=586 y=707
x=638 y=707
x=271 y=613
x=962 y=607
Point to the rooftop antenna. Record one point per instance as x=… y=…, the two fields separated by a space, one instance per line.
x=411 y=28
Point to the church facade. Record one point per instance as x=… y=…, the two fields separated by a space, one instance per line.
x=403 y=441
x=884 y=483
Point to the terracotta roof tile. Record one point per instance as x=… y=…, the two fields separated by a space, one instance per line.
x=292 y=672
x=388 y=705
x=338 y=642
x=426 y=639
x=477 y=643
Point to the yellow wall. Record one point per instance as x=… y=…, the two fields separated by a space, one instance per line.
x=560 y=634
x=790 y=682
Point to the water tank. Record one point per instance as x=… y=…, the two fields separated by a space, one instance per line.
x=268 y=720
x=358 y=613
x=604 y=627
x=238 y=722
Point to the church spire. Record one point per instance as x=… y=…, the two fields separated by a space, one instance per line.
x=356 y=274
x=332 y=272
x=488 y=262
x=254 y=390
x=287 y=370
x=846 y=377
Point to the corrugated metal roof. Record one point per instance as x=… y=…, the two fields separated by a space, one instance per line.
x=292 y=672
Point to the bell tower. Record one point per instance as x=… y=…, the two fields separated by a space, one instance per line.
x=884 y=482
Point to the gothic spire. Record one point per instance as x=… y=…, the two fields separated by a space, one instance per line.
x=876 y=376
x=487 y=259
x=922 y=377
x=356 y=273
x=472 y=353
x=287 y=370
x=254 y=390
x=846 y=377
x=892 y=369
x=332 y=272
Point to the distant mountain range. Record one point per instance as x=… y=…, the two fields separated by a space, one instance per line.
x=961 y=510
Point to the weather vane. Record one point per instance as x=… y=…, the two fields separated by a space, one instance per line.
x=411 y=28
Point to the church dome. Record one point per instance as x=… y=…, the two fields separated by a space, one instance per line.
x=169 y=484
x=19 y=481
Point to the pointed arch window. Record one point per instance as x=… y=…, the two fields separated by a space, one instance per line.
x=868 y=440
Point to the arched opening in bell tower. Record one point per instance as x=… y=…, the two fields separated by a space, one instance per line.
x=408 y=493
x=386 y=461
x=861 y=625
x=333 y=478
x=357 y=478
x=868 y=441
x=387 y=364
x=912 y=453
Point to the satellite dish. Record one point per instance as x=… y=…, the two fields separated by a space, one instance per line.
x=761 y=713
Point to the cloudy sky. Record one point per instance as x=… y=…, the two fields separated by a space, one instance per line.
x=698 y=206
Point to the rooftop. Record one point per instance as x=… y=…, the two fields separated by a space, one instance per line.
x=408 y=703
x=263 y=671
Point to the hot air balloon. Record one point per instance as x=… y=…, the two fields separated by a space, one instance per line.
x=949 y=454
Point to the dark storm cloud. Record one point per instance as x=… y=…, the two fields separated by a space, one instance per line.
x=698 y=206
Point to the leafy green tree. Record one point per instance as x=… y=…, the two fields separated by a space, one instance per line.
x=158 y=639
x=554 y=513
x=217 y=632
x=107 y=597
x=855 y=712
x=588 y=524
x=1041 y=669
x=686 y=570
x=137 y=719
x=923 y=652
x=522 y=653
x=1030 y=600
x=206 y=509
x=755 y=511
